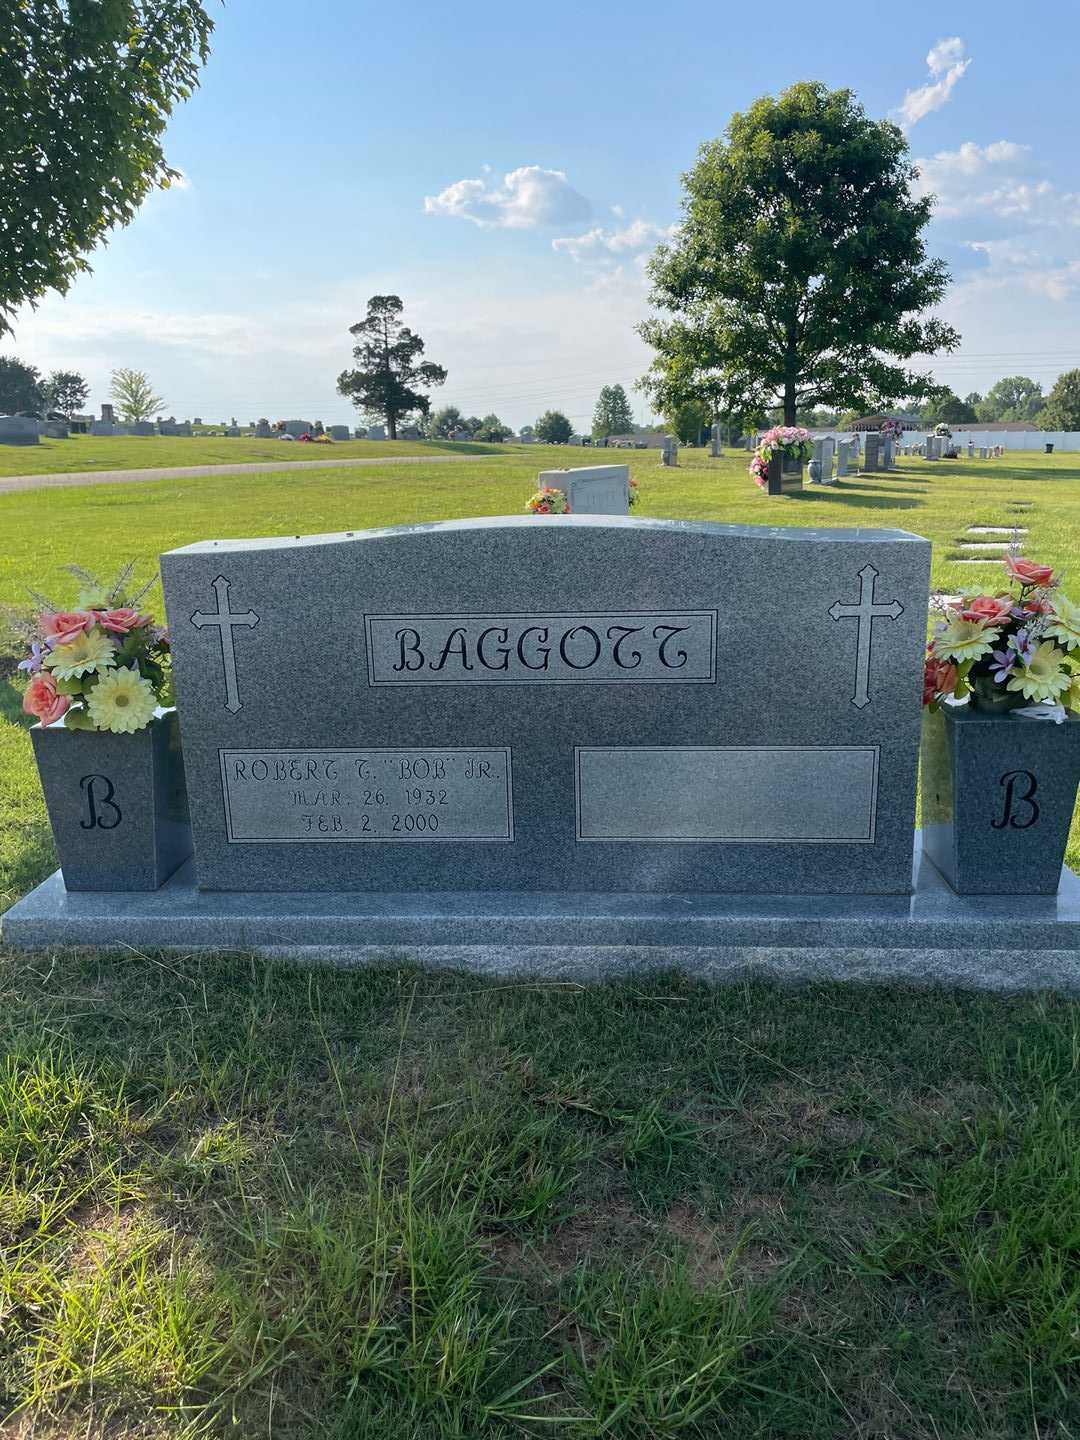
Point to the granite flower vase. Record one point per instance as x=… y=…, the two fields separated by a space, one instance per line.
x=117 y=803
x=785 y=474
x=998 y=791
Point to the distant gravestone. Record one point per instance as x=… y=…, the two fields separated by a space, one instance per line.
x=845 y=452
x=822 y=461
x=376 y=432
x=715 y=448
x=142 y=427
x=933 y=447
x=54 y=429
x=541 y=703
x=103 y=427
x=19 y=430
x=296 y=428
x=593 y=489
x=872 y=454
x=409 y=432
x=888 y=453
x=262 y=430
x=669 y=451
x=339 y=432
x=108 y=414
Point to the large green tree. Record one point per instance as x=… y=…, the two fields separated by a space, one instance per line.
x=444 y=422
x=947 y=408
x=20 y=386
x=390 y=379
x=1013 y=398
x=613 y=414
x=688 y=421
x=133 y=395
x=66 y=391
x=1063 y=403
x=553 y=428
x=492 y=430
x=86 y=90
x=799 y=274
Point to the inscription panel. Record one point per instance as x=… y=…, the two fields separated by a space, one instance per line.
x=805 y=794
x=617 y=647
x=385 y=795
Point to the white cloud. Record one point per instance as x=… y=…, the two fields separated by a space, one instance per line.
x=994 y=180
x=946 y=64
x=526 y=197
x=600 y=243
x=509 y=346
x=181 y=181
x=1012 y=266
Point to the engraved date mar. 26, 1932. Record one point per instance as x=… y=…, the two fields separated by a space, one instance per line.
x=388 y=795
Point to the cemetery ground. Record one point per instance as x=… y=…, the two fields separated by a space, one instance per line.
x=139 y=452
x=240 y=1196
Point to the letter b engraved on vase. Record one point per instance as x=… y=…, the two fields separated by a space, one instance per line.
x=1020 y=810
x=100 y=810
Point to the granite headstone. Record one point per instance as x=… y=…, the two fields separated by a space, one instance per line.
x=19 y=430
x=592 y=489
x=549 y=703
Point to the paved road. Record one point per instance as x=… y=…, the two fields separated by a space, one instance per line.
x=179 y=472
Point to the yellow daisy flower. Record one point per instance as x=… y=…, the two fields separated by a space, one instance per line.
x=963 y=639
x=1065 y=625
x=122 y=701
x=1044 y=677
x=84 y=655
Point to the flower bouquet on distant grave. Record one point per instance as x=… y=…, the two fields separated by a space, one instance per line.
x=1014 y=648
x=548 y=500
x=943 y=431
x=634 y=494
x=891 y=430
x=792 y=440
x=102 y=666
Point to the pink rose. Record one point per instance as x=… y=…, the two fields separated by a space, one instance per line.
x=42 y=700
x=990 y=609
x=62 y=627
x=122 y=622
x=1027 y=572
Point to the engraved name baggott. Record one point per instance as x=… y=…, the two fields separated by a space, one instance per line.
x=620 y=647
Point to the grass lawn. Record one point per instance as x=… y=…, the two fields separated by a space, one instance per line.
x=145 y=452
x=242 y=1198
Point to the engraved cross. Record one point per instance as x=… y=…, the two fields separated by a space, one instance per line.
x=865 y=612
x=226 y=619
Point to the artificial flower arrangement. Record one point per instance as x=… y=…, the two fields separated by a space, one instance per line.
x=943 y=430
x=634 y=494
x=548 y=501
x=1008 y=648
x=891 y=429
x=102 y=666
x=793 y=440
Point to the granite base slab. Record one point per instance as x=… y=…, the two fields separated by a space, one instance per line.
x=932 y=936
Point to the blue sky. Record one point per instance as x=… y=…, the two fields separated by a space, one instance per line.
x=507 y=171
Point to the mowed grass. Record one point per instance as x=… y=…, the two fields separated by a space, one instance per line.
x=144 y=452
x=242 y=1198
